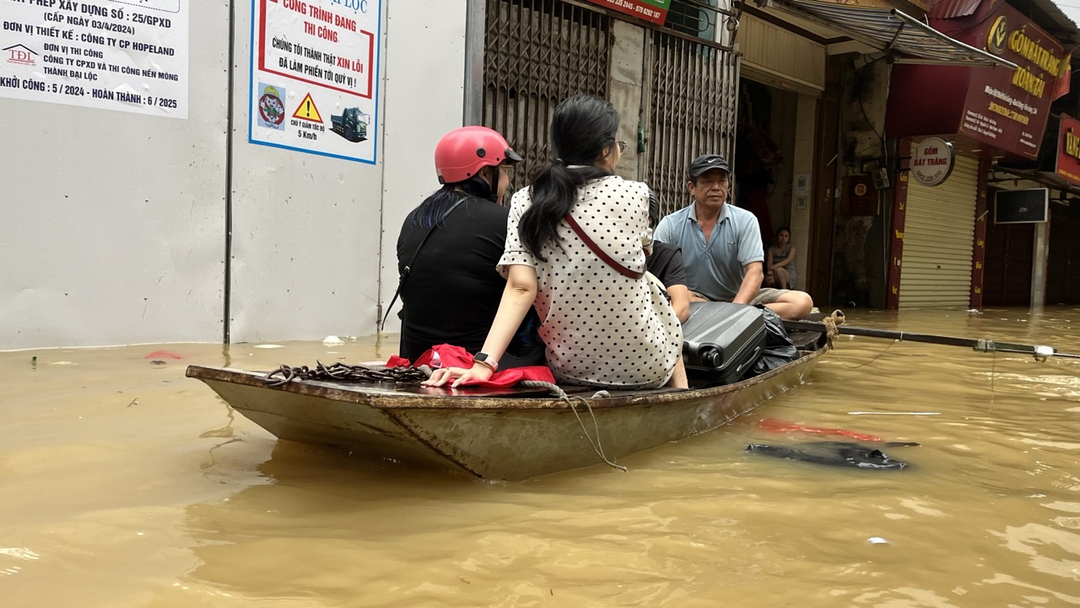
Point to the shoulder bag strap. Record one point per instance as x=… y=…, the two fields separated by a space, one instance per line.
x=408 y=267
x=623 y=270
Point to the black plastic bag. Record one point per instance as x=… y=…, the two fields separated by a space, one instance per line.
x=526 y=348
x=779 y=349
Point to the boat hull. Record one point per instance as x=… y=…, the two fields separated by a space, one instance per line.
x=509 y=438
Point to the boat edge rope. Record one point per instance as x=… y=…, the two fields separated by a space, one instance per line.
x=832 y=323
x=558 y=392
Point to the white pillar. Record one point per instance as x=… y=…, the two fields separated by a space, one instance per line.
x=802 y=165
x=624 y=90
x=1039 y=264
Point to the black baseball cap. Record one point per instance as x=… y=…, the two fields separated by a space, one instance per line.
x=707 y=162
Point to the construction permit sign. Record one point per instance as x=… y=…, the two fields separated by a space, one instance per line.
x=313 y=83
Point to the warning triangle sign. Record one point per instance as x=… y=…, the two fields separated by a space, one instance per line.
x=307 y=110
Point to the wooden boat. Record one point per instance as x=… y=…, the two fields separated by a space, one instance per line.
x=506 y=434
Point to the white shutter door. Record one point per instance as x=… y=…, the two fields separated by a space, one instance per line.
x=939 y=231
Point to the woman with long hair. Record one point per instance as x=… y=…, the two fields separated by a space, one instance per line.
x=575 y=248
x=780 y=261
x=449 y=245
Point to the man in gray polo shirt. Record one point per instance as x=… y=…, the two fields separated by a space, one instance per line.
x=721 y=245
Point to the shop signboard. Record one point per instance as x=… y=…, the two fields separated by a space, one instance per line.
x=654 y=11
x=1006 y=108
x=1068 y=152
x=933 y=161
x=859 y=197
x=314 y=83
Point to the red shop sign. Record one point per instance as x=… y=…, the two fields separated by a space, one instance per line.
x=648 y=10
x=1008 y=108
x=1068 y=152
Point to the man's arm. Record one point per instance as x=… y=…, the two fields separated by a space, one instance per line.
x=751 y=283
x=751 y=255
x=768 y=266
x=680 y=301
x=666 y=264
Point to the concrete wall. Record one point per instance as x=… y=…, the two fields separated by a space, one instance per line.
x=859 y=265
x=114 y=223
x=424 y=100
x=782 y=126
x=304 y=248
x=625 y=90
x=793 y=123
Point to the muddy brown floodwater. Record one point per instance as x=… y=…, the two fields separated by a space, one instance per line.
x=122 y=483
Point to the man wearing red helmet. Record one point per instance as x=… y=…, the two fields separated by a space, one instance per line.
x=450 y=245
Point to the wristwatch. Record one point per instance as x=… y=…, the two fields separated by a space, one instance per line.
x=486 y=360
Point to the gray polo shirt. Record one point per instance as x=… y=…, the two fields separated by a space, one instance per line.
x=714 y=269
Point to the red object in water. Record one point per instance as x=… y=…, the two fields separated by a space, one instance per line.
x=779 y=426
x=162 y=354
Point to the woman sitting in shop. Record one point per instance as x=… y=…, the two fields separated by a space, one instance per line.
x=780 y=261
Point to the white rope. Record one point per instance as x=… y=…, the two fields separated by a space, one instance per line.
x=993 y=374
x=876 y=357
x=561 y=394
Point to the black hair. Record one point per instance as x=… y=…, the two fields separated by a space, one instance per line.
x=582 y=127
x=782 y=229
x=435 y=207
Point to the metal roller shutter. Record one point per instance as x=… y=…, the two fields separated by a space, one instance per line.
x=536 y=54
x=690 y=109
x=939 y=231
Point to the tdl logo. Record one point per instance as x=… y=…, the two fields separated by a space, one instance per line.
x=20 y=54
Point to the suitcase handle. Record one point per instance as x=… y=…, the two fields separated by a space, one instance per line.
x=752 y=360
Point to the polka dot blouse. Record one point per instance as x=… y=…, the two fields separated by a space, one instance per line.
x=601 y=328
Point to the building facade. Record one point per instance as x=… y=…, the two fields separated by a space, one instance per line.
x=241 y=173
x=953 y=241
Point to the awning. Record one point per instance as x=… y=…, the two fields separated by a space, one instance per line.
x=1045 y=178
x=891 y=30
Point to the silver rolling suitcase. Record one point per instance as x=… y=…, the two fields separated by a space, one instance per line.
x=722 y=341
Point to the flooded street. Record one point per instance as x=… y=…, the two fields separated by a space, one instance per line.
x=125 y=484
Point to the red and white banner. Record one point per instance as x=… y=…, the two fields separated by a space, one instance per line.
x=314 y=84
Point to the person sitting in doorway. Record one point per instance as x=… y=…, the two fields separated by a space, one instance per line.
x=721 y=245
x=780 y=261
x=449 y=247
x=666 y=264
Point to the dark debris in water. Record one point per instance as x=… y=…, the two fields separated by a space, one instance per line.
x=836 y=453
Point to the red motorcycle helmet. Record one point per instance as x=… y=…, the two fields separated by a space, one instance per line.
x=461 y=153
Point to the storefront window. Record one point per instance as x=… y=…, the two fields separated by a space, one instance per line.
x=687 y=18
